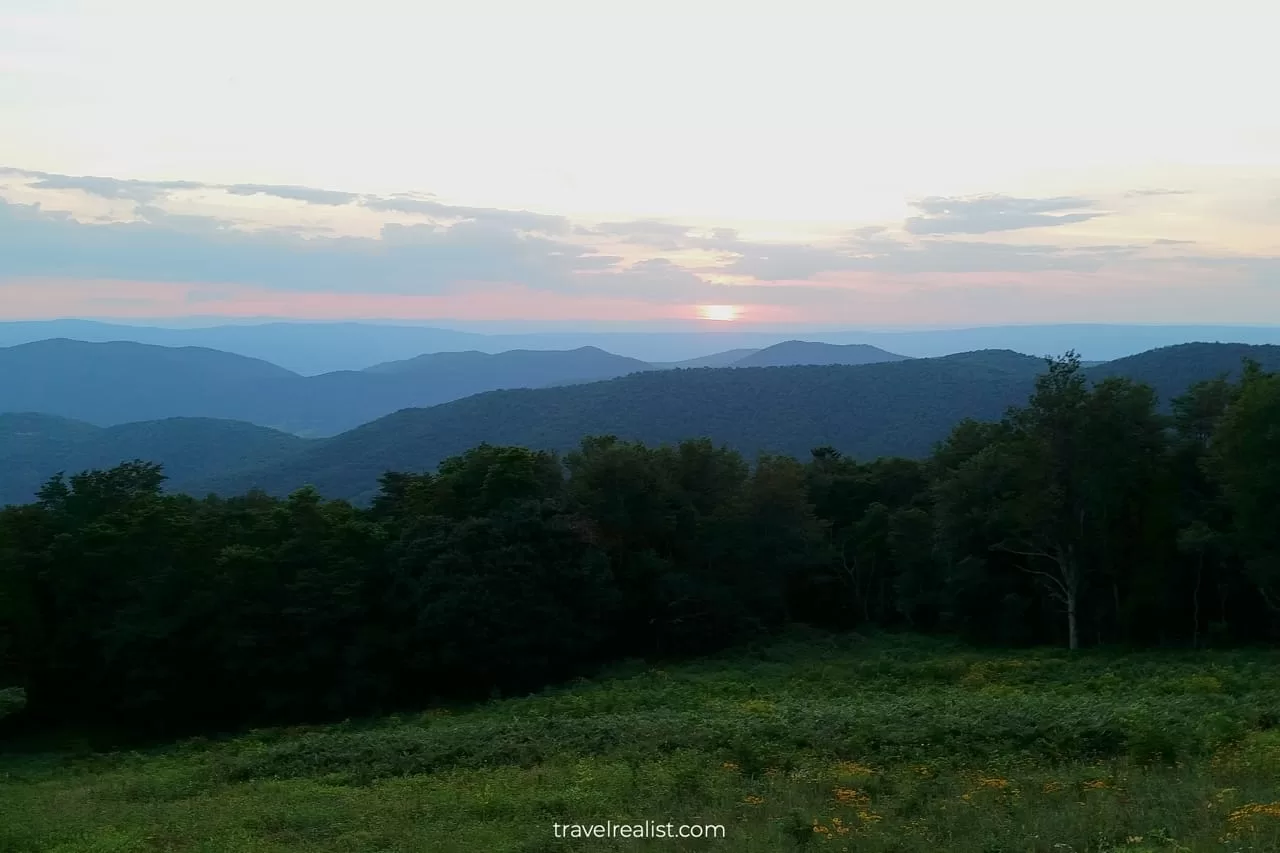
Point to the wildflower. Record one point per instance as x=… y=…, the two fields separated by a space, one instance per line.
x=730 y=766
x=850 y=795
x=753 y=800
x=997 y=783
x=1096 y=784
x=1052 y=787
x=853 y=768
x=1252 y=810
x=1133 y=839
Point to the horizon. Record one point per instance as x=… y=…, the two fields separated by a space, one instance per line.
x=620 y=327
x=749 y=167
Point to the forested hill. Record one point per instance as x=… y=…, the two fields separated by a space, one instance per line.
x=1170 y=370
x=192 y=450
x=1081 y=517
x=122 y=382
x=114 y=383
x=867 y=411
x=891 y=409
x=808 y=352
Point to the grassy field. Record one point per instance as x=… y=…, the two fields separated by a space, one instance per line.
x=817 y=744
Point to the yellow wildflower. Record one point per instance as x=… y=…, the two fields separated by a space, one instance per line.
x=1253 y=810
x=753 y=800
x=853 y=768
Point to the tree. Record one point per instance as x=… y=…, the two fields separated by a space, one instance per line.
x=1245 y=458
x=1059 y=483
x=12 y=700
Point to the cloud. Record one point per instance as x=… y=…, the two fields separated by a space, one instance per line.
x=303 y=194
x=167 y=247
x=985 y=214
x=643 y=232
x=882 y=254
x=1155 y=192
x=108 y=188
x=145 y=192
x=523 y=220
x=428 y=249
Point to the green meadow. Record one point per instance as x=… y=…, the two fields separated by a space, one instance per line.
x=879 y=745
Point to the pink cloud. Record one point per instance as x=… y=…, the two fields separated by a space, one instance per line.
x=1160 y=293
x=28 y=299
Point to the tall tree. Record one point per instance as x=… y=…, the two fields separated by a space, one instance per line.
x=1246 y=460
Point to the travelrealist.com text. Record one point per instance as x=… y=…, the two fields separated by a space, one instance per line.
x=644 y=829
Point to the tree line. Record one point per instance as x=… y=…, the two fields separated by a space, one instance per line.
x=1087 y=516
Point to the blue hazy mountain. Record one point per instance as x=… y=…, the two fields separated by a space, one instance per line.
x=34 y=447
x=899 y=408
x=893 y=408
x=120 y=382
x=790 y=353
x=313 y=348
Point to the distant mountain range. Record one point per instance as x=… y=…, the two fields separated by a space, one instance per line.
x=791 y=353
x=888 y=409
x=123 y=382
x=194 y=451
x=717 y=359
x=314 y=348
x=893 y=407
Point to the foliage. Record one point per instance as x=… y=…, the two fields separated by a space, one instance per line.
x=813 y=742
x=1083 y=518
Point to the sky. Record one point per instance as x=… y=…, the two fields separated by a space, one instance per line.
x=867 y=164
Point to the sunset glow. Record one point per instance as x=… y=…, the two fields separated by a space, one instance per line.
x=721 y=313
x=996 y=178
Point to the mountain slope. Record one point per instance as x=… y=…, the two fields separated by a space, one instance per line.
x=120 y=381
x=313 y=348
x=998 y=359
x=1171 y=370
x=893 y=408
x=717 y=359
x=898 y=408
x=790 y=353
x=523 y=368
x=193 y=450
x=113 y=383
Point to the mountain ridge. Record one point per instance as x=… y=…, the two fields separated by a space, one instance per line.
x=311 y=348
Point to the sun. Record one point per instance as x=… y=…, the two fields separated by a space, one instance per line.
x=722 y=313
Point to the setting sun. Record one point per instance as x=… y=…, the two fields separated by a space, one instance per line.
x=723 y=313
